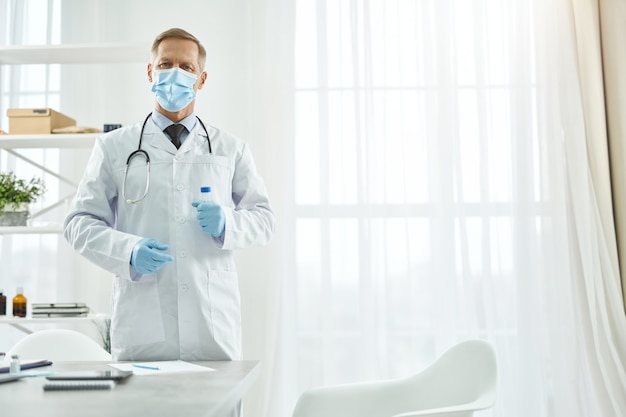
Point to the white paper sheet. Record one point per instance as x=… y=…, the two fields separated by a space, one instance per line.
x=160 y=367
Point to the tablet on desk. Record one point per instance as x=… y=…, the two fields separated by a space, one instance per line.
x=114 y=375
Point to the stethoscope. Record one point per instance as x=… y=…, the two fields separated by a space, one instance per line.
x=141 y=152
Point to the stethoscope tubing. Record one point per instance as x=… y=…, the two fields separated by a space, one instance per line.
x=144 y=153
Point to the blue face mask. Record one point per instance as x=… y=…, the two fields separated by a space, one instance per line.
x=173 y=88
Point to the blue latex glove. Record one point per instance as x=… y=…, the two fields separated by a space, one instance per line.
x=211 y=217
x=145 y=257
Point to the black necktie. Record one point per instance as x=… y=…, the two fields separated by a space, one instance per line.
x=174 y=131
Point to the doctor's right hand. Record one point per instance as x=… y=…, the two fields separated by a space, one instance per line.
x=145 y=257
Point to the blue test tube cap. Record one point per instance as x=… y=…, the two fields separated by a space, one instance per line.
x=205 y=189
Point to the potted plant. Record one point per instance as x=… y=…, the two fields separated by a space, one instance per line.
x=15 y=196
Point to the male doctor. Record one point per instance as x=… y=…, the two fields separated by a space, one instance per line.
x=175 y=290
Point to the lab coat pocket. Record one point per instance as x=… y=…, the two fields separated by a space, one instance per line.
x=136 y=318
x=225 y=309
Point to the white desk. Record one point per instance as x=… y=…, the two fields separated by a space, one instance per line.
x=194 y=394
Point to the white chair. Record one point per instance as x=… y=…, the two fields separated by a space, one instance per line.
x=59 y=345
x=460 y=382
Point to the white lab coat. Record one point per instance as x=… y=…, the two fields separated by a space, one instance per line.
x=190 y=309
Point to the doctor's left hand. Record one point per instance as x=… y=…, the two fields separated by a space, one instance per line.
x=210 y=217
x=145 y=259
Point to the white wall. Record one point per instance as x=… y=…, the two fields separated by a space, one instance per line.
x=121 y=93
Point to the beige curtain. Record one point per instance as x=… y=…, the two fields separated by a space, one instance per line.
x=613 y=34
x=600 y=35
x=599 y=31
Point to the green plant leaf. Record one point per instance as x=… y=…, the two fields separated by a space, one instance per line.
x=15 y=192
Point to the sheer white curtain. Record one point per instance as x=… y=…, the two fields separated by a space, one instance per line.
x=438 y=180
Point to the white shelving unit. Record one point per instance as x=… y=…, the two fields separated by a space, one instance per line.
x=61 y=54
x=97 y=54
x=12 y=143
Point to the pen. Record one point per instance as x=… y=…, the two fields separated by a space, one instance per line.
x=154 y=368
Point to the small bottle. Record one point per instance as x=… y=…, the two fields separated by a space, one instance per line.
x=14 y=365
x=3 y=303
x=205 y=193
x=19 y=303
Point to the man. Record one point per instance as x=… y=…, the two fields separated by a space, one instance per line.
x=175 y=290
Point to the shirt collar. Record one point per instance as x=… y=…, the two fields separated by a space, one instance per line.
x=163 y=122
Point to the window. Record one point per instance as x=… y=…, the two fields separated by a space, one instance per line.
x=418 y=199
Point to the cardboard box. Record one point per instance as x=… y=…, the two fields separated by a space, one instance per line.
x=36 y=121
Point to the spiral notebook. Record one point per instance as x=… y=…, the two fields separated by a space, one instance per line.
x=78 y=385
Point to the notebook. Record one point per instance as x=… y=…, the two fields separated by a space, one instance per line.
x=78 y=385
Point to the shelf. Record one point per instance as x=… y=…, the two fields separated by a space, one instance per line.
x=74 y=140
x=30 y=230
x=20 y=323
x=31 y=320
x=75 y=54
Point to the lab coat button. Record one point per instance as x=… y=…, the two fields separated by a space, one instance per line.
x=183 y=253
x=184 y=287
x=181 y=219
x=180 y=187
